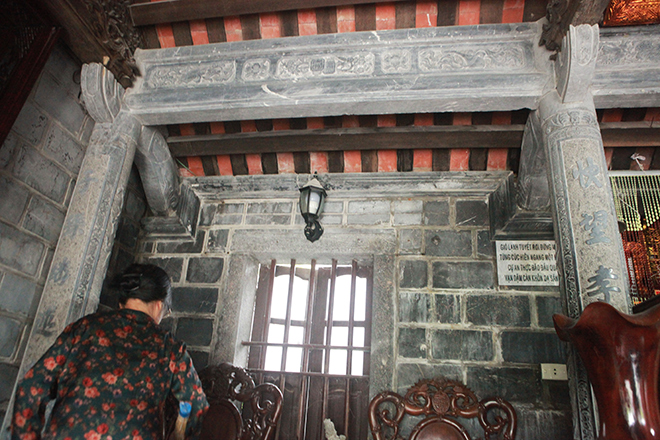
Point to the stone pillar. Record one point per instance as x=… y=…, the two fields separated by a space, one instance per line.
x=590 y=254
x=80 y=261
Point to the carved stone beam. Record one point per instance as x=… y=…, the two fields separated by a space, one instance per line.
x=563 y=13
x=80 y=261
x=574 y=72
x=576 y=64
x=158 y=172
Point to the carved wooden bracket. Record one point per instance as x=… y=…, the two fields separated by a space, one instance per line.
x=99 y=31
x=563 y=13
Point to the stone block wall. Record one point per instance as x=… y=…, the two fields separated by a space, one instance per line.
x=39 y=164
x=450 y=316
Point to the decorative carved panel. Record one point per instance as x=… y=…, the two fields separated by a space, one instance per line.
x=632 y=12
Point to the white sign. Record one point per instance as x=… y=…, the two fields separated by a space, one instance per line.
x=526 y=263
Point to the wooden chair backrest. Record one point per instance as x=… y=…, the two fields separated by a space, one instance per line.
x=225 y=385
x=441 y=403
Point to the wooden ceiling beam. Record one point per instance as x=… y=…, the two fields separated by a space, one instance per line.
x=638 y=134
x=170 y=11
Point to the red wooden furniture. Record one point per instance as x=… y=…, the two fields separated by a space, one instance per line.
x=441 y=403
x=622 y=357
x=262 y=405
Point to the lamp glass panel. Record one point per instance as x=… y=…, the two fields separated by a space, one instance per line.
x=314 y=202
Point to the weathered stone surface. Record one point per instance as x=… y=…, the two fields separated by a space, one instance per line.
x=413 y=273
x=16 y=294
x=368 y=219
x=410 y=241
x=532 y=348
x=200 y=359
x=414 y=307
x=195 y=331
x=412 y=343
x=464 y=275
x=20 y=251
x=31 y=123
x=27 y=165
x=504 y=310
x=218 y=240
x=13 y=201
x=127 y=233
x=471 y=213
x=517 y=385
x=134 y=206
x=194 y=299
x=44 y=219
x=10 y=333
x=173 y=266
x=436 y=213
x=64 y=149
x=269 y=208
x=442 y=243
x=56 y=100
x=485 y=247
x=463 y=345
x=544 y=424
x=407 y=212
x=337 y=241
x=546 y=306
x=268 y=219
x=204 y=270
x=408 y=374
x=8 y=375
x=178 y=247
x=447 y=309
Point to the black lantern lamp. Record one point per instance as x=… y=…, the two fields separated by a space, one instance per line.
x=312 y=196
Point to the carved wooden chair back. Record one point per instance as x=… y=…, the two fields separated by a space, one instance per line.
x=226 y=384
x=441 y=403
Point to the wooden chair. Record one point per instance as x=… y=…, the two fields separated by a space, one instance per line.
x=441 y=402
x=225 y=384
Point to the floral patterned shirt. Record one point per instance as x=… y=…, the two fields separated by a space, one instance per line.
x=111 y=374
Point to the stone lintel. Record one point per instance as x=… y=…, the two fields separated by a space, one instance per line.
x=628 y=68
x=467 y=68
x=473 y=183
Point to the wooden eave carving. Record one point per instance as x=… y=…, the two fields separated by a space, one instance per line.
x=563 y=13
x=99 y=31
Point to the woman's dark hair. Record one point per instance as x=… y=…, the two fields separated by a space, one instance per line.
x=145 y=282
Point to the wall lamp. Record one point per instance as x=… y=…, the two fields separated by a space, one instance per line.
x=312 y=196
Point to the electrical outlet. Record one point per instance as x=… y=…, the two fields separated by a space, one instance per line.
x=553 y=372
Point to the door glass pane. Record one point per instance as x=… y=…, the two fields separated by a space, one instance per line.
x=339 y=336
x=357 y=367
x=280 y=296
x=360 y=299
x=299 y=299
x=296 y=334
x=358 y=336
x=293 y=359
x=342 y=303
x=273 y=358
x=338 y=360
x=275 y=333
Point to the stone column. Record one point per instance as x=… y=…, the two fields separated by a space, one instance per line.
x=590 y=253
x=80 y=261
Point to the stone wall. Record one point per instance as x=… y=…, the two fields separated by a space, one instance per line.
x=433 y=261
x=39 y=164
